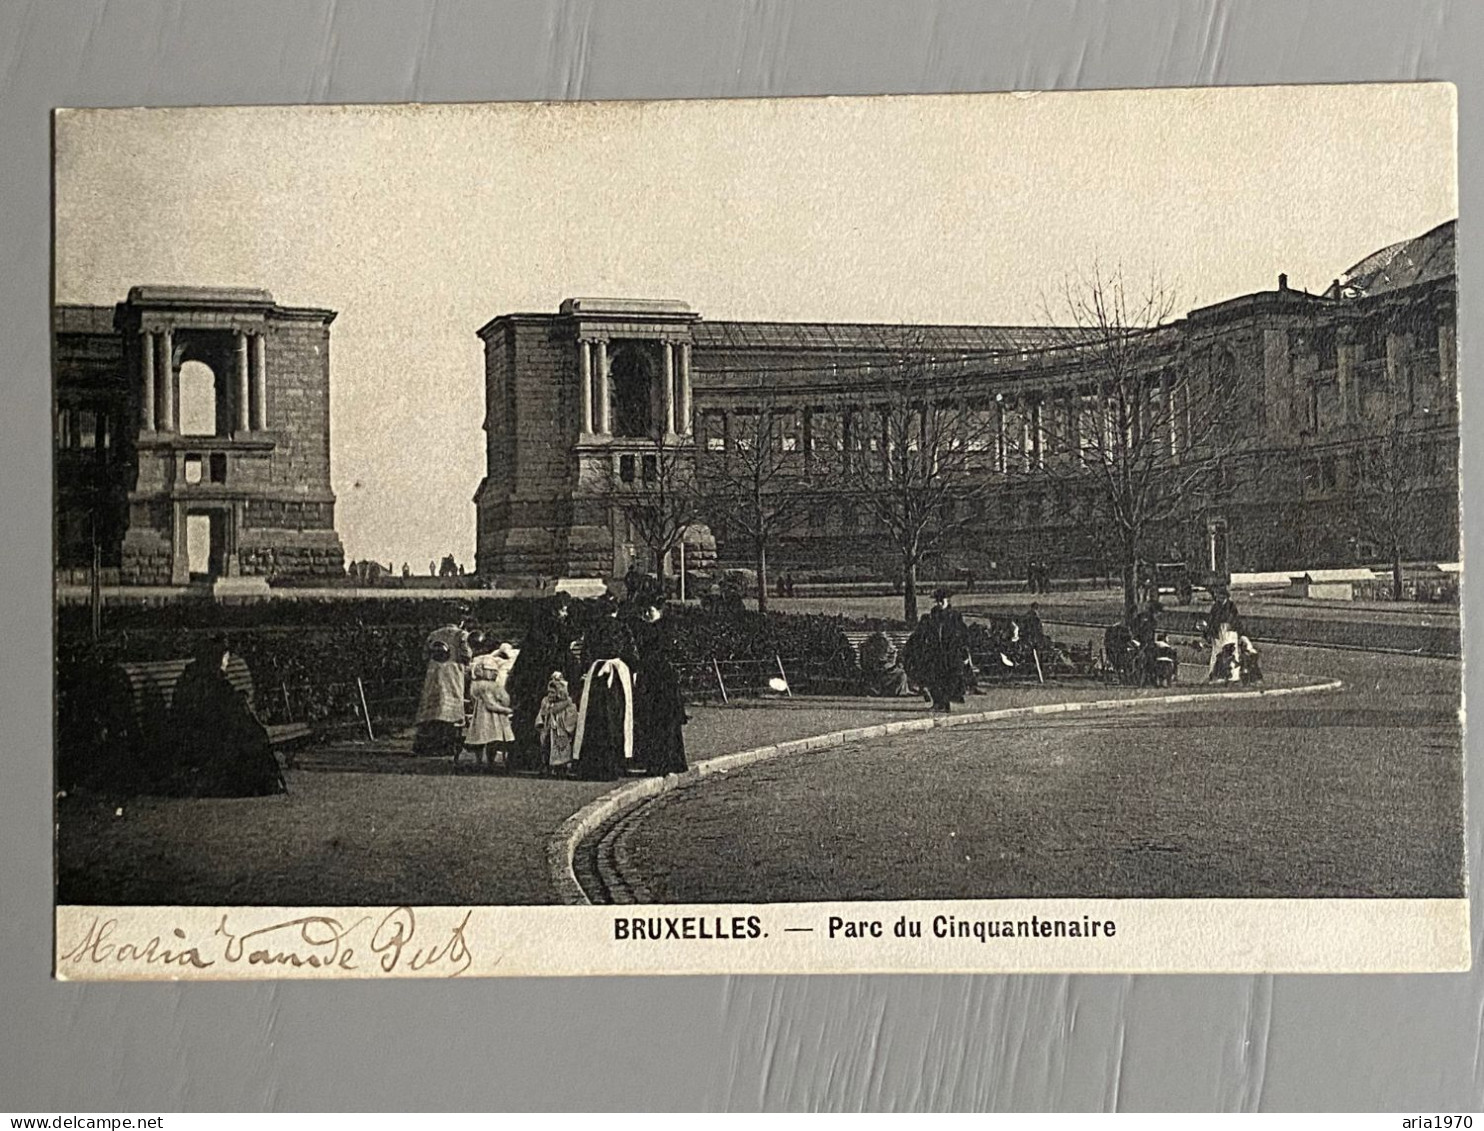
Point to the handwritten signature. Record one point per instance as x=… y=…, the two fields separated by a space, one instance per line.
x=391 y=943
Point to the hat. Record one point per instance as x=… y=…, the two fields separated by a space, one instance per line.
x=940 y=594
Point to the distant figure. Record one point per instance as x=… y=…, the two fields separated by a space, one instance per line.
x=1224 y=632
x=1251 y=666
x=937 y=654
x=432 y=569
x=448 y=567
x=788 y=584
x=406 y=570
x=881 y=668
x=1146 y=639
x=220 y=747
x=1032 y=632
x=440 y=710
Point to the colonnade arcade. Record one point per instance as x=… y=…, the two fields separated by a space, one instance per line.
x=634 y=387
x=237 y=357
x=1017 y=430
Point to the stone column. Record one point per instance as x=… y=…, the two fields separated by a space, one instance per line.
x=605 y=406
x=147 y=380
x=585 y=383
x=1345 y=373
x=242 y=391
x=1038 y=415
x=1167 y=392
x=668 y=348
x=1023 y=411
x=1448 y=355
x=685 y=405
x=166 y=421
x=1000 y=463
x=260 y=381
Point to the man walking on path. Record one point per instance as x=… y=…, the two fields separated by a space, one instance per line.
x=937 y=654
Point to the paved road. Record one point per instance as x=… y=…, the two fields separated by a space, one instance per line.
x=1357 y=793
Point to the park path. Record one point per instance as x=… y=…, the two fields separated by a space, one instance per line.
x=1339 y=795
x=367 y=824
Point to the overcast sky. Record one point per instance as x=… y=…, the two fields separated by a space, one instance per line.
x=419 y=224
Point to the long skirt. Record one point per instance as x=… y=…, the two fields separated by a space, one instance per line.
x=1226 y=657
x=604 y=741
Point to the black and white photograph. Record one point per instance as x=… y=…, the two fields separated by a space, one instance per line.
x=1008 y=532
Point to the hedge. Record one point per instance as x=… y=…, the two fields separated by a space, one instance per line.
x=306 y=656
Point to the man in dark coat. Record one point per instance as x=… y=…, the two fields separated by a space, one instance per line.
x=937 y=654
x=659 y=709
x=1146 y=636
x=548 y=647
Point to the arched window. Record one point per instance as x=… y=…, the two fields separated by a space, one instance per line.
x=634 y=412
x=198 y=400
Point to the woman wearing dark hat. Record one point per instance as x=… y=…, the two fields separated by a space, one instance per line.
x=604 y=744
x=221 y=749
x=936 y=654
x=548 y=647
x=440 y=710
x=659 y=709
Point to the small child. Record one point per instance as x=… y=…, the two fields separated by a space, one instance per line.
x=556 y=724
x=489 y=734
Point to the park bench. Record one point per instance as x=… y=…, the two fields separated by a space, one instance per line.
x=857 y=637
x=153 y=683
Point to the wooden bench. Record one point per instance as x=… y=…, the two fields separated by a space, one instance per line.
x=153 y=683
x=857 y=637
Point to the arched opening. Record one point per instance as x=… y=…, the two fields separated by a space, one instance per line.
x=198 y=400
x=634 y=411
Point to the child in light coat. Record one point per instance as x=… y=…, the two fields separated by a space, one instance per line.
x=556 y=724
x=489 y=735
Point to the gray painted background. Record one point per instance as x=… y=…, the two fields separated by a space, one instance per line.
x=1022 y=1043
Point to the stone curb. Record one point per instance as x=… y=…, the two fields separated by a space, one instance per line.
x=562 y=847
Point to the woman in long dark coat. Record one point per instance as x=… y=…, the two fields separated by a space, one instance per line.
x=546 y=648
x=659 y=709
x=221 y=749
x=604 y=745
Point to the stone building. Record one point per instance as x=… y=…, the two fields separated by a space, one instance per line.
x=1336 y=396
x=193 y=438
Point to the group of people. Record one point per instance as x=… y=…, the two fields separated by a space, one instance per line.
x=1153 y=660
x=596 y=704
x=1038 y=577
x=937 y=661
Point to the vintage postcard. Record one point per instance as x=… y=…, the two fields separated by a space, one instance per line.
x=961 y=533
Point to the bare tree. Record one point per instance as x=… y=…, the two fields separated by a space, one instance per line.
x=657 y=489
x=754 y=480
x=1389 y=499
x=915 y=454
x=1142 y=435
